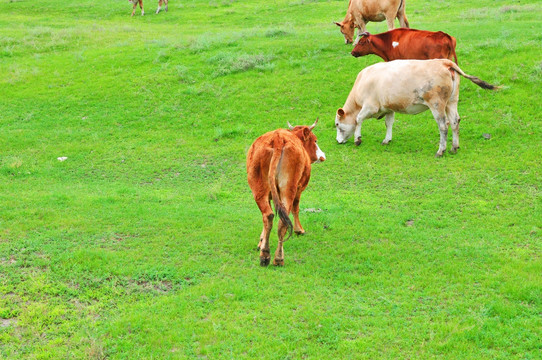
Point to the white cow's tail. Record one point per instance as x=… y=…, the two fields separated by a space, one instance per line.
x=278 y=149
x=474 y=79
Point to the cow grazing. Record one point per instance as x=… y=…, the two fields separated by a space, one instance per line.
x=408 y=87
x=360 y=12
x=407 y=44
x=140 y=2
x=279 y=169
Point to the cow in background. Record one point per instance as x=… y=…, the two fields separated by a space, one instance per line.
x=407 y=44
x=279 y=169
x=140 y=2
x=360 y=12
x=135 y=2
x=407 y=87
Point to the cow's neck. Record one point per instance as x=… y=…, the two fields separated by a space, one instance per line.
x=351 y=108
x=379 y=48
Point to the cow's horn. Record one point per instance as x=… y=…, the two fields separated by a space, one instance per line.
x=290 y=126
x=313 y=125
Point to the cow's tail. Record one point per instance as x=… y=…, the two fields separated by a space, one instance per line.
x=474 y=79
x=278 y=150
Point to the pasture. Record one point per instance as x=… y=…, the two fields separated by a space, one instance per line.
x=142 y=243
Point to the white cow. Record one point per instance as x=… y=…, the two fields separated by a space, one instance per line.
x=407 y=87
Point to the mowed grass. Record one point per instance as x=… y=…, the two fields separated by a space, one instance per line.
x=141 y=244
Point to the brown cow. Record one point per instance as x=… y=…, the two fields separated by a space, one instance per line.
x=360 y=12
x=407 y=44
x=140 y=2
x=279 y=168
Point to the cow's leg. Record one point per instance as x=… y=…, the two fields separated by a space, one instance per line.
x=440 y=117
x=287 y=198
x=141 y=6
x=390 y=20
x=454 y=119
x=298 y=229
x=279 y=254
x=159 y=6
x=267 y=217
x=365 y=112
x=134 y=9
x=390 y=117
x=166 y=1
x=401 y=16
x=266 y=227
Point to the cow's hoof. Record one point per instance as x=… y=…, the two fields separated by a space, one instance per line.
x=278 y=262
x=386 y=142
x=358 y=141
x=299 y=232
x=453 y=150
x=438 y=155
x=264 y=261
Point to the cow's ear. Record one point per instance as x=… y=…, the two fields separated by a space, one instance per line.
x=306 y=133
x=340 y=112
x=338 y=24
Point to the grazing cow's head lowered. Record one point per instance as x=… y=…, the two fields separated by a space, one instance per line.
x=347 y=29
x=310 y=143
x=346 y=125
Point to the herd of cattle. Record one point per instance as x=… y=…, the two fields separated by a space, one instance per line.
x=420 y=72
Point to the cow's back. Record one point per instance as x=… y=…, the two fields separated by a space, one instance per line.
x=370 y=9
x=261 y=151
x=400 y=79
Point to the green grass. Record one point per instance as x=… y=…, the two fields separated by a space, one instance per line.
x=141 y=245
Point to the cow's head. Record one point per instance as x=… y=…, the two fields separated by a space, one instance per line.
x=347 y=29
x=305 y=134
x=345 y=126
x=363 y=45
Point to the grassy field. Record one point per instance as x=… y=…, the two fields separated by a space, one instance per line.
x=142 y=243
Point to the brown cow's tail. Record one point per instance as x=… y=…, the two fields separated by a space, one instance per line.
x=278 y=150
x=474 y=79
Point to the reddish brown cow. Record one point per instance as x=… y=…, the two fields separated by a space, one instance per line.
x=279 y=169
x=407 y=44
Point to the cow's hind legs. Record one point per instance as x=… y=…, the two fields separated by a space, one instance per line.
x=401 y=16
x=159 y=6
x=455 y=134
x=283 y=227
x=454 y=119
x=390 y=20
x=279 y=254
x=390 y=117
x=440 y=118
x=298 y=229
x=267 y=217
